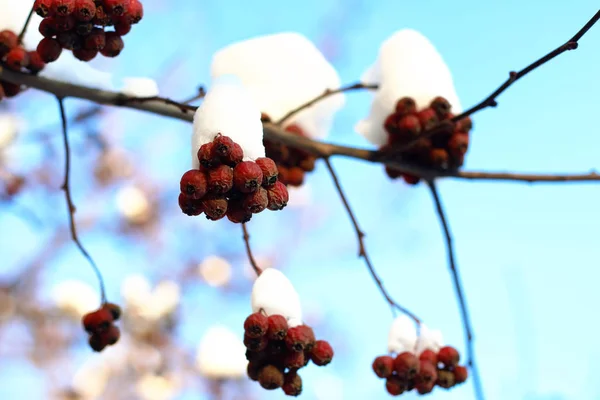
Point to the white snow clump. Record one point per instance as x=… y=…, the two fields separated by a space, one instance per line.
x=274 y=293
x=221 y=354
x=403 y=337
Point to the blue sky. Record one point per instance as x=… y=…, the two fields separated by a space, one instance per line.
x=528 y=254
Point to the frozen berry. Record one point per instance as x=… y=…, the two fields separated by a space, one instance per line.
x=235 y=156
x=122 y=26
x=464 y=124
x=49 y=50
x=427 y=372
x=101 y=18
x=292 y=384
x=220 y=179
x=84 y=28
x=97 y=321
x=406 y=365
x=255 y=202
x=256 y=325
x=206 y=156
x=429 y=356
x=255 y=344
x=441 y=106
x=428 y=118
x=252 y=370
x=269 y=171
x=10 y=89
x=270 y=377
x=222 y=145
x=295 y=176
x=47 y=27
x=114 y=310
x=411 y=179
x=247 y=176
x=278 y=196
x=36 y=64
x=17 y=58
x=322 y=353
x=448 y=356
x=97 y=342
x=278 y=327
x=69 y=40
x=395 y=385
x=115 y=7
x=8 y=41
x=190 y=206
x=85 y=54
x=439 y=158
x=84 y=10
x=406 y=105
x=460 y=374
x=293 y=360
x=113 y=45
x=458 y=144
x=214 y=207
x=135 y=11
x=424 y=387
x=296 y=339
x=236 y=212
x=64 y=24
x=275 y=348
x=383 y=366
x=43 y=7
x=96 y=40
x=308 y=163
x=63 y=8
x=193 y=184
x=445 y=379
x=112 y=335
x=308 y=332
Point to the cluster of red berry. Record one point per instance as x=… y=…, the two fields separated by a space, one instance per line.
x=99 y=325
x=224 y=185
x=276 y=352
x=15 y=57
x=407 y=372
x=292 y=163
x=445 y=149
x=78 y=25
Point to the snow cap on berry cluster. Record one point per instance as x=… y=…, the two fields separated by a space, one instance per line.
x=228 y=109
x=221 y=354
x=275 y=295
x=283 y=71
x=403 y=337
x=408 y=65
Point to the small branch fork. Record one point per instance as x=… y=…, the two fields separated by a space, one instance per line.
x=251 y=258
x=459 y=291
x=70 y=206
x=362 y=252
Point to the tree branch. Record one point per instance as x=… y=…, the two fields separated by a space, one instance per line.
x=459 y=292
x=25 y=25
x=362 y=252
x=251 y=258
x=70 y=206
x=326 y=93
x=169 y=108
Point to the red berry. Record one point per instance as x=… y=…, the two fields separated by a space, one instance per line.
x=85 y=54
x=409 y=125
x=256 y=344
x=194 y=184
x=84 y=28
x=308 y=163
x=406 y=365
x=84 y=10
x=112 y=335
x=427 y=372
x=292 y=384
x=215 y=207
x=252 y=370
x=97 y=322
x=406 y=105
x=429 y=356
x=220 y=179
x=445 y=379
x=101 y=18
x=441 y=106
x=63 y=8
x=47 y=27
x=439 y=158
x=255 y=202
x=36 y=64
x=247 y=176
x=278 y=327
x=458 y=144
x=322 y=353
x=97 y=342
x=69 y=40
x=17 y=58
x=222 y=145
x=114 y=309
x=395 y=385
x=63 y=24
x=135 y=11
x=448 y=356
x=10 y=89
x=256 y=325
x=49 y=50
x=206 y=156
x=190 y=206
x=424 y=387
x=122 y=26
x=113 y=45
x=236 y=212
x=411 y=179
x=8 y=41
x=116 y=7
x=295 y=176
x=278 y=196
x=460 y=374
x=235 y=156
x=270 y=377
x=43 y=7
x=296 y=339
x=428 y=118
x=96 y=40
x=464 y=124
x=383 y=366
x=293 y=360
x=269 y=171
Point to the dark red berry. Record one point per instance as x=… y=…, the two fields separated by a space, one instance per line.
x=114 y=310
x=269 y=171
x=135 y=11
x=96 y=40
x=253 y=369
x=278 y=327
x=8 y=41
x=84 y=10
x=69 y=40
x=411 y=179
x=101 y=18
x=98 y=321
x=292 y=384
x=448 y=356
x=424 y=387
x=255 y=202
x=122 y=26
x=255 y=344
x=206 y=156
x=194 y=184
x=406 y=105
x=48 y=27
x=17 y=58
x=85 y=54
x=427 y=372
x=222 y=146
x=441 y=106
x=429 y=356
x=113 y=45
x=215 y=207
x=460 y=374
x=464 y=124
x=296 y=339
x=428 y=118
x=220 y=179
x=278 y=196
x=270 y=377
x=97 y=342
x=63 y=24
x=383 y=366
x=49 y=50
x=256 y=325
x=43 y=8
x=406 y=365
x=84 y=28
x=190 y=206
x=293 y=360
x=295 y=176
x=236 y=212
x=395 y=385
x=247 y=176
x=116 y=7
x=112 y=335
x=321 y=353
x=10 y=89
x=63 y=8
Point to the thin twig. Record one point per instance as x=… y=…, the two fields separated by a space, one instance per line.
x=253 y=262
x=325 y=94
x=459 y=292
x=24 y=30
x=70 y=206
x=200 y=95
x=362 y=252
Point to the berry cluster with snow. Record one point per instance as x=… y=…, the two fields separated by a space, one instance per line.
x=100 y=326
x=14 y=56
x=79 y=26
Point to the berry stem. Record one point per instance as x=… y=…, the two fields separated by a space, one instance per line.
x=24 y=30
x=362 y=252
x=198 y=96
x=325 y=94
x=458 y=287
x=66 y=187
x=253 y=262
